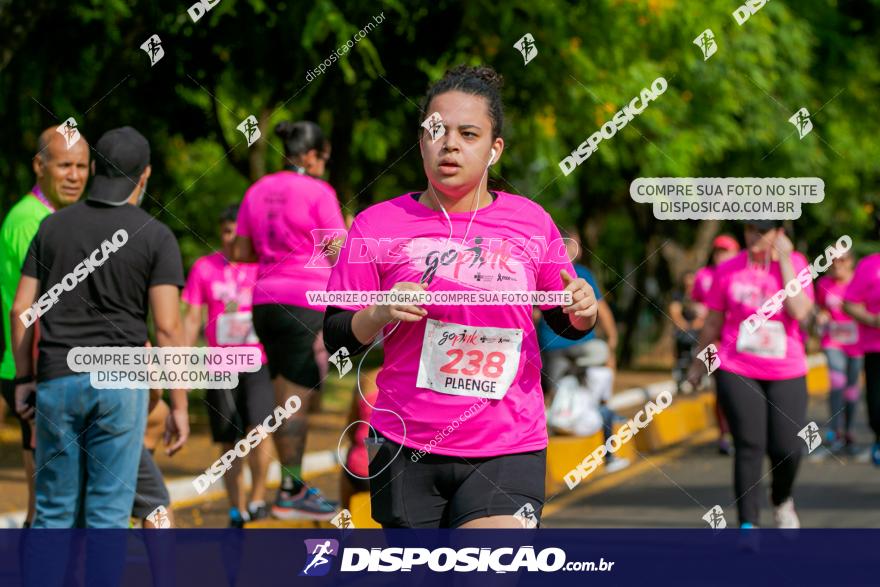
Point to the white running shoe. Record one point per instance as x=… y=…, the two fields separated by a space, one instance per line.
x=617 y=464
x=786 y=517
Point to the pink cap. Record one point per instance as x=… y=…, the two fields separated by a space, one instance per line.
x=725 y=242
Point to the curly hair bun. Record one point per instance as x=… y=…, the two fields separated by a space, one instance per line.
x=485 y=74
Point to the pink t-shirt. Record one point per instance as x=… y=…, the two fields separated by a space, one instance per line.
x=414 y=249
x=842 y=332
x=226 y=289
x=865 y=289
x=702 y=284
x=288 y=217
x=738 y=291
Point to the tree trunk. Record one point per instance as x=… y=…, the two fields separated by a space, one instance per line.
x=646 y=228
x=257 y=152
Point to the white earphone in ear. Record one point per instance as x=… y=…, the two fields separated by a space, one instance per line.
x=492 y=156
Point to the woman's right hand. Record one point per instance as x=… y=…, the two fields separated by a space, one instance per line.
x=402 y=312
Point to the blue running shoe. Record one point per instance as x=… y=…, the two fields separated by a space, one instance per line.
x=875 y=454
x=747 y=526
x=308 y=504
x=236 y=520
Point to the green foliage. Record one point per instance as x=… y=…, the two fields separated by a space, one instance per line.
x=727 y=116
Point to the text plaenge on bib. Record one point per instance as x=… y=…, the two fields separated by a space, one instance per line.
x=469 y=361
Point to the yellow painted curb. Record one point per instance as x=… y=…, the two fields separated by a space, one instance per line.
x=694 y=413
x=666 y=428
x=564 y=453
x=361 y=512
x=818 y=380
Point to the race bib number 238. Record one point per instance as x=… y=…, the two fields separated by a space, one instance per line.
x=469 y=360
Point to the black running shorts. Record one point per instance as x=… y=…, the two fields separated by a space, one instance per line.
x=232 y=412
x=288 y=334
x=440 y=491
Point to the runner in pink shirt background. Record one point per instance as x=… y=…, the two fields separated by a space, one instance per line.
x=862 y=302
x=219 y=294
x=468 y=368
x=840 y=344
x=724 y=247
x=291 y=224
x=761 y=375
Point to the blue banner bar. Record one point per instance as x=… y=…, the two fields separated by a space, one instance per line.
x=137 y=558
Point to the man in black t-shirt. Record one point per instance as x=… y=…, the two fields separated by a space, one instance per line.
x=93 y=272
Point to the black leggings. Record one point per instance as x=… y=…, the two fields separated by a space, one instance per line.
x=765 y=417
x=872 y=391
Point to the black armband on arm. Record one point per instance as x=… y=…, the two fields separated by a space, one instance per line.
x=338 y=332
x=561 y=324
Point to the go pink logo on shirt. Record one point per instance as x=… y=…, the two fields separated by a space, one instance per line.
x=487 y=263
x=833 y=301
x=747 y=294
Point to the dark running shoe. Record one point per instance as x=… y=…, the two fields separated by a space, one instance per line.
x=308 y=504
x=259 y=512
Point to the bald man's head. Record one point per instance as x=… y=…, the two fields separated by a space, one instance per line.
x=61 y=173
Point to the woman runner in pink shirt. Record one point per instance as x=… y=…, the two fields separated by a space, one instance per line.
x=724 y=247
x=761 y=376
x=862 y=302
x=458 y=425
x=840 y=343
x=289 y=223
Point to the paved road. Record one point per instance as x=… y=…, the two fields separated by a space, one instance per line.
x=675 y=488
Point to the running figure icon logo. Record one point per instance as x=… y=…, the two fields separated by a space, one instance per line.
x=153 y=48
x=159 y=517
x=341 y=359
x=343 y=520
x=709 y=356
x=526 y=46
x=326 y=244
x=319 y=553
x=435 y=127
x=249 y=129
x=811 y=436
x=715 y=518
x=526 y=516
x=69 y=131
x=706 y=43
x=801 y=121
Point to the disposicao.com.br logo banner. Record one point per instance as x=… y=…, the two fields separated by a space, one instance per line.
x=505 y=559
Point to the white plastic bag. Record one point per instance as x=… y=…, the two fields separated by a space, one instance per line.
x=575 y=408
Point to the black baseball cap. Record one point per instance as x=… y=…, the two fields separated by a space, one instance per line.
x=121 y=155
x=764 y=225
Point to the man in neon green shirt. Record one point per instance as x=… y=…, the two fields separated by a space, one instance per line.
x=61 y=174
